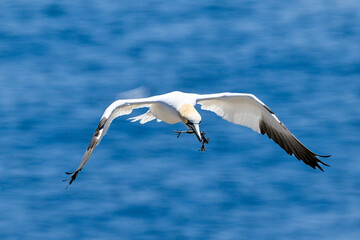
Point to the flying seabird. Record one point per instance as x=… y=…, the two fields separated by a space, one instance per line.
x=174 y=107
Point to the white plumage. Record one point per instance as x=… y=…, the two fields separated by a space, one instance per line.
x=239 y=108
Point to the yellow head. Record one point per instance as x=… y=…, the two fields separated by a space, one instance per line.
x=191 y=118
x=189 y=113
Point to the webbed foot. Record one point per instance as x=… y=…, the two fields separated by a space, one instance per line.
x=204 y=141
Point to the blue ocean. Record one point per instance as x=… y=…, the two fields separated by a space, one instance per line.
x=62 y=63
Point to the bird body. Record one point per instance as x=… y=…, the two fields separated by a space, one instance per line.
x=174 y=107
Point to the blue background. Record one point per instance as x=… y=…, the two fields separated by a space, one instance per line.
x=62 y=63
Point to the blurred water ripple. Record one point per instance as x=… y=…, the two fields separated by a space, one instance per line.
x=62 y=63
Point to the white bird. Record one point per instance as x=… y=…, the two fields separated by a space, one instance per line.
x=174 y=107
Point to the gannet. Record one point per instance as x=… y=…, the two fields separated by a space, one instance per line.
x=174 y=107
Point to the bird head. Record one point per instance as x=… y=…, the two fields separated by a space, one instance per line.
x=191 y=118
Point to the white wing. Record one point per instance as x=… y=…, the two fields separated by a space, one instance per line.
x=249 y=111
x=116 y=109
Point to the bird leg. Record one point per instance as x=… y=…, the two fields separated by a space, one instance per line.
x=204 y=141
x=180 y=132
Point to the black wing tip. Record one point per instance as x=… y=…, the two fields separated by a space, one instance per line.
x=72 y=177
x=319 y=161
x=318 y=166
x=293 y=147
x=91 y=147
x=323 y=163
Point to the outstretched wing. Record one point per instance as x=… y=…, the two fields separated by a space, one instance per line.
x=249 y=111
x=116 y=109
